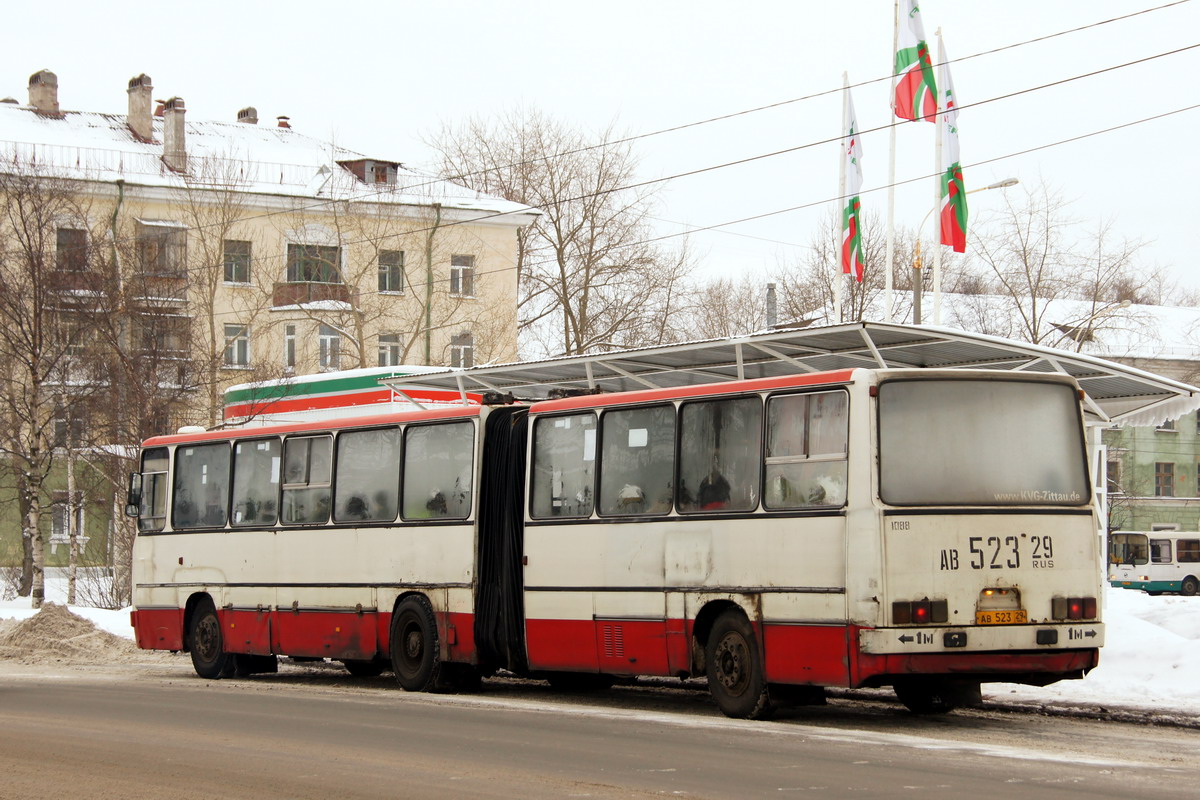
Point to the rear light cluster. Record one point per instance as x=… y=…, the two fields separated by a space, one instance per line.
x=919 y=612
x=1073 y=608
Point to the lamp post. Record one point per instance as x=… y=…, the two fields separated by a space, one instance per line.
x=917 y=278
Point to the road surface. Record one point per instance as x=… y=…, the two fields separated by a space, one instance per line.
x=157 y=731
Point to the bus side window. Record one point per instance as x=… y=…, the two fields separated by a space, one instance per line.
x=368 y=476
x=201 y=485
x=637 y=460
x=438 y=467
x=720 y=453
x=1160 y=551
x=255 y=482
x=807 y=437
x=564 y=466
x=1188 y=550
x=307 y=467
x=152 y=514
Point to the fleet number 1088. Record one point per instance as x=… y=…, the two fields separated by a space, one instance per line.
x=998 y=552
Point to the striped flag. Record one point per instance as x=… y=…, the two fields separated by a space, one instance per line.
x=915 y=89
x=954 y=195
x=852 y=251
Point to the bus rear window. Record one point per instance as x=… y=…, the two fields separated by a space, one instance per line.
x=973 y=442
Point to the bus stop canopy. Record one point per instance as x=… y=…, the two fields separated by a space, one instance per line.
x=1115 y=393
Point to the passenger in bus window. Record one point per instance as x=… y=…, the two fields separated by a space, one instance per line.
x=437 y=505
x=714 y=489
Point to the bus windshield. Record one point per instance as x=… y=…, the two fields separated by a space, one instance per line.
x=974 y=442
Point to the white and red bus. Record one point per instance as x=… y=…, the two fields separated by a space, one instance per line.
x=927 y=530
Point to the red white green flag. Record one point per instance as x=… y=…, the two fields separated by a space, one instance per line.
x=852 y=250
x=954 y=194
x=915 y=89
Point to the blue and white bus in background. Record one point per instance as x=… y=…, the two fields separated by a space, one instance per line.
x=1155 y=562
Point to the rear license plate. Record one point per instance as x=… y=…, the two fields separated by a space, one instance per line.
x=1015 y=616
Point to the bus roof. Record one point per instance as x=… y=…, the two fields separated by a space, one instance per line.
x=1114 y=392
x=225 y=434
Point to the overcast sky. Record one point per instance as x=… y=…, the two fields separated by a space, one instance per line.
x=377 y=77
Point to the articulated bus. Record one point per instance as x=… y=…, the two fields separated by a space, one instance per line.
x=926 y=530
x=1155 y=562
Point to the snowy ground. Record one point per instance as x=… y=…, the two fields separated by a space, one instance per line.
x=1149 y=661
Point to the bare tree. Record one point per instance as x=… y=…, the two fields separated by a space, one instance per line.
x=589 y=274
x=49 y=278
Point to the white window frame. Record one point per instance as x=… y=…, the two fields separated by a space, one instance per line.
x=462 y=350
x=237 y=346
x=462 y=276
x=329 y=348
x=389 y=349
x=289 y=347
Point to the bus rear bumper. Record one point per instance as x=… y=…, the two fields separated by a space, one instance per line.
x=1032 y=668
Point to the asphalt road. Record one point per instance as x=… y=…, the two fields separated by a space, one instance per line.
x=160 y=732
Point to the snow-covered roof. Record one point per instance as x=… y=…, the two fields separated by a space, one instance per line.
x=263 y=159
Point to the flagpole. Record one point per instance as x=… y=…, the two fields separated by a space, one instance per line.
x=937 y=196
x=840 y=278
x=891 y=213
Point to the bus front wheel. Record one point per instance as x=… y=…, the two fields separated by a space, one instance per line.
x=1189 y=587
x=207 y=644
x=735 y=669
x=414 y=645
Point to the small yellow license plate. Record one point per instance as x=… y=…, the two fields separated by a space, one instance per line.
x=1013 y=616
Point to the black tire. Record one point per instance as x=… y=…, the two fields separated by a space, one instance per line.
x=1189 y=586
x=206 y=641
x=414 y=645
x=580 y=681
x=735 y=669
x=364 y=668
x=937 y=696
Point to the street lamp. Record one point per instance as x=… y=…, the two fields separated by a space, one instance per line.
x=917 y=279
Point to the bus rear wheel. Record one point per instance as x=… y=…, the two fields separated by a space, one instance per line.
x=414 y=645
x=1189 y=587
x=207 y=644
x=734 y=668
x=936 y=696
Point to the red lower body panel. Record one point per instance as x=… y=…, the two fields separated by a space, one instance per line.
x=794 y=654
x=805 y=654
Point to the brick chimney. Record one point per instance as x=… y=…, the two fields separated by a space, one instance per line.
x=282 y=122
x=140 y=108
x=43 y=92
x=248 y=115
x=174 y=147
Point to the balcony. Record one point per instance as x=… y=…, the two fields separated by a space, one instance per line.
x=294 y=293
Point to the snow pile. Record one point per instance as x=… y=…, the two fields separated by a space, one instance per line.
x=1152 y=648
x=54 y=634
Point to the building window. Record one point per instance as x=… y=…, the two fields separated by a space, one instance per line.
x=162 y=248
x=237 y=261
x=389 y=349
x=70 y=252
x=311 y=263
x=391 y=270
x=289 y=346
x=163 y=336
x=237 y=346
x=462 y=351
x=1164 y=479
x=1166 y=425
x=60 y=514
x=462 y=276
x=330 y=341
